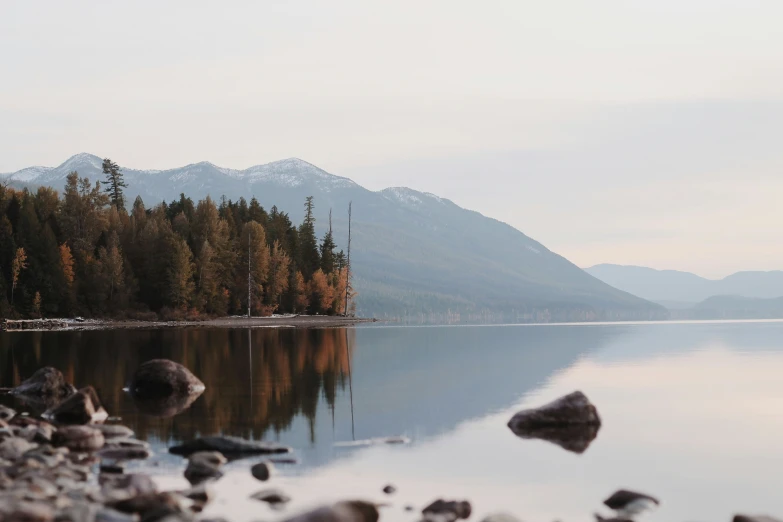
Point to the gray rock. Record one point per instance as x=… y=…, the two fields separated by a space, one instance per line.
x=80 y=408
x=23 y=511
x=198 y=472
x=46 y=383
x=114 y=431
x=754 y=518
x=447 y=510
x=121 y=487
x=14 y=447
x=571 y=422
x=79 y=438
x=263 y=470
x=126 y=442
x=6 y=413
x=111 y=515
x=229 y=446
x=124 y=453
x=202 y=494
x=345 y=511
x=389 y=489
x=162 y=378
x=151 y=506
x=628 y=504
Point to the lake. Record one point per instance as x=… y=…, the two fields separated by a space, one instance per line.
x=692 y=412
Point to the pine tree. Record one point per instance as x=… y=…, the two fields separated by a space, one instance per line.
x=309 y=259
x=256 y=212
x=279 y=264
x=115 y=182
x=37 y=305
x=327 y=250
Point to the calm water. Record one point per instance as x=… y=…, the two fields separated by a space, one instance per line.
x=692 y=413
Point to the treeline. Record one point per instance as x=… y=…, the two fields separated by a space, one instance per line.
x=85 y=254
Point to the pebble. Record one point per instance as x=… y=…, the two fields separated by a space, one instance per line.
x=389 y=489
x=262 y=471
x=273 y=497
x=79 y=438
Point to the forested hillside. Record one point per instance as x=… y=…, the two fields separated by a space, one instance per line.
x=88 y=253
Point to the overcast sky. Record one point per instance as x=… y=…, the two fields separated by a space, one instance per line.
x=627 y=131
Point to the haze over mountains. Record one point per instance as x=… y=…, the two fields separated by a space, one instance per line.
x=748 y=291
x=414 y=255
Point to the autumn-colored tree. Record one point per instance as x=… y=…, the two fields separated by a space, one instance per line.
x=279 y=264
x=298 y=293
x=66 y=263
x=111 y=259
x=320 y=292
x=253 y=256
x=19 y=264
x=180 y=273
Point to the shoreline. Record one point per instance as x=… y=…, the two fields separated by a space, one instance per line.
x=283 y=321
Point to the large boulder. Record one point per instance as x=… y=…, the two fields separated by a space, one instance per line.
x=82 y=407
x=46 y=384
x=163 y=378
x=232 y=446
x=571 y=422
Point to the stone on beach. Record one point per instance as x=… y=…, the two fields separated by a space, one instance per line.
x=45 y=384
x=630 y=503
x=163 y=378
x=14 y=447
x=203 y=466
x=79 y=438
x=447 y=510
x=273 y=497
x=6 y=413
x=80 y=408
x=571 y=422
x=114 y=431
x=232 y=446
x=754 y=518
x=263 y=470
x=500 y=517
x=389 y=489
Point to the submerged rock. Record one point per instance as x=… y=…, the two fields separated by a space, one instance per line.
x=628 y=504
x=45 y=384
x=80 y=408
x=500 y=517
x=263 y=470
x=232 y=446
x=167 y=406
x=345 y=511
x=162 y=378
x=79 y=438
x=447 y=510
x=571 y=422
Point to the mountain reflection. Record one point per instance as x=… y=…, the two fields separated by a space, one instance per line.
x=257 y=381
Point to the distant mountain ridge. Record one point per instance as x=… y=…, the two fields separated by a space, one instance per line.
x=415 y=256
x=672 y=286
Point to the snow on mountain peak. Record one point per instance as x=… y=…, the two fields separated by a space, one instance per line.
x=409 y=196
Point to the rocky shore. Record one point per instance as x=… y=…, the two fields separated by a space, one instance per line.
x=67 y=464
x=282 y=321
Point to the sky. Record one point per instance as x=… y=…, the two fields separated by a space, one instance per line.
x=622 y=131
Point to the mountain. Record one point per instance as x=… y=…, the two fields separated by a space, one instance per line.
x=415 y=256
x=737 y=307
x=682 y=289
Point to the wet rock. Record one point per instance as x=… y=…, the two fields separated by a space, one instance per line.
x=80 y=408
x=203 y=466
x=262 y=471
x=500 y=517
x=79 y=438
x=114 y=431
x=46 y=383
x=447 y=510
x=754 y=518
x=124 y=453
x=273 y=497
x=345 y=511
x=122 y=487
x=389 y=489
x=14 y=447
x=571 y=422
x=115 y=468
x=232 y=446
x=151 y=506
x=40 y=434
x=112 y=515
x=6 y=413
x=202 y=494
x=628 y=504
x=162 y=378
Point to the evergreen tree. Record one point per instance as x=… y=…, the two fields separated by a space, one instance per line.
x=180 y=273
x=115 y=183
x=256 y=212
x=327 y=250
x=309 y=259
